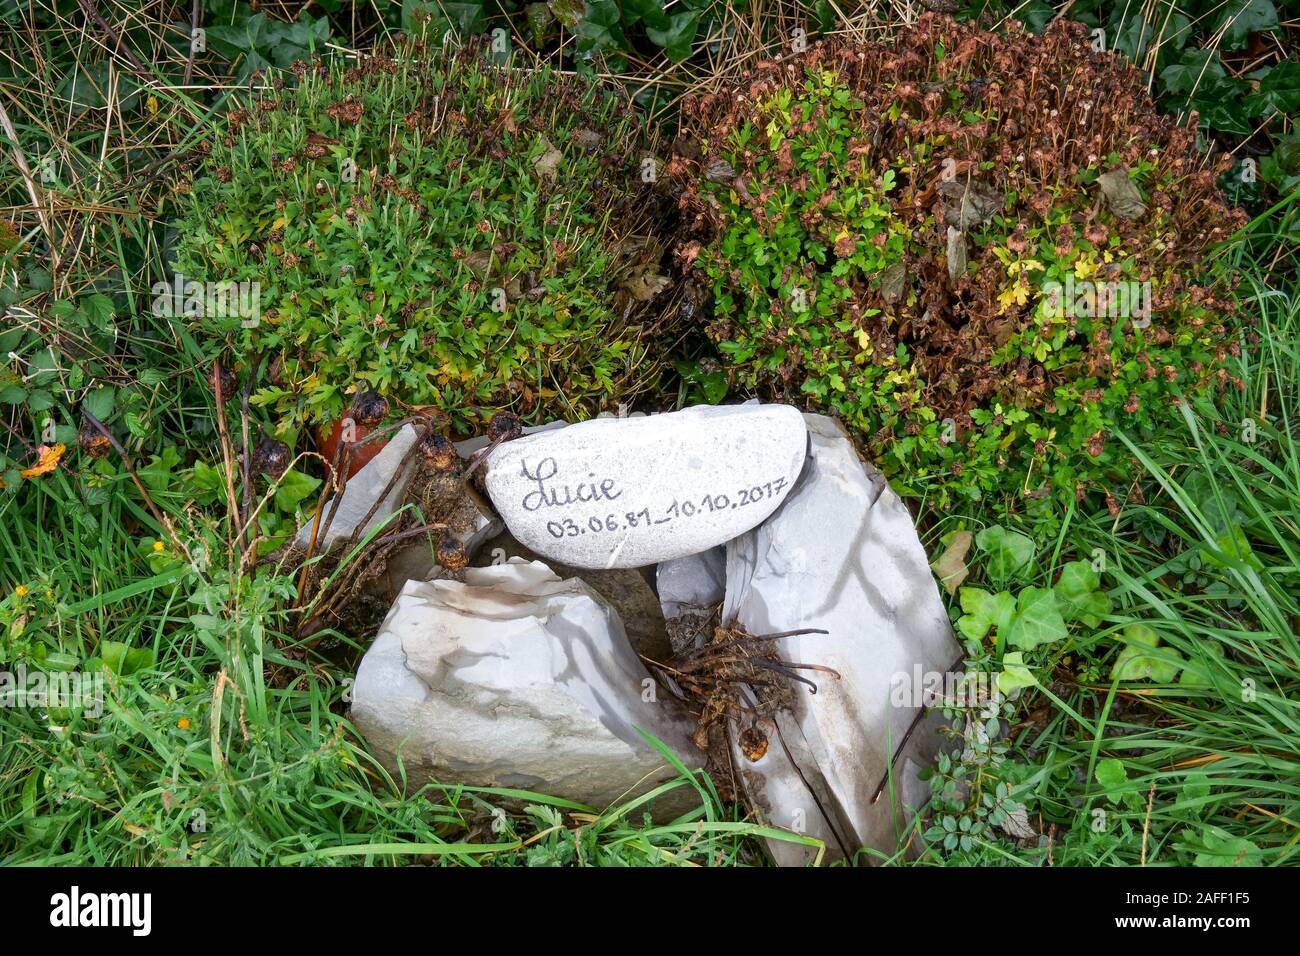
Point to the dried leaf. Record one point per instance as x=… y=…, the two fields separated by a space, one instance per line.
x=719 y=171
x=1016 y=825
x=547 y=163
x=976 y=203
x=1121 y=195
x=588 y=139
x=49 y=460
x=956 y=254
x=893 y=283
x=646 y=284
x=951 y=565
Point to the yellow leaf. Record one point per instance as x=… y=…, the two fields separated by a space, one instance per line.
x=49 y=460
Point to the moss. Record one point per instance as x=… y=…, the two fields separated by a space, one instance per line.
x=891 y=231
x=454 y=233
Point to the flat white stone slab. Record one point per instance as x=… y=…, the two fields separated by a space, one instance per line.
x=623 y=493
x=843 y=555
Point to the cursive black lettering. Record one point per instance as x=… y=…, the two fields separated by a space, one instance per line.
x=557 y=495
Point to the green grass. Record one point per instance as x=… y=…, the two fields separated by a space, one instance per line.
x=1132 y=772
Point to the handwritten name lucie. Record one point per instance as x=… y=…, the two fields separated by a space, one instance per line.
x=552 y=494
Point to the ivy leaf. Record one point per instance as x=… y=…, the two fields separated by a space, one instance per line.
x=1015 y=674
x=1240 y=18
x=677 y=38
x=601 y=28
x=983 y=611
x=1193 y=70
x=1233 y=550
x=1077 y=594
x=1196 y=673
x=1141 y=660
x=294 y=487
x=651 y=12
x=1009 y=551
x=1037 y=621
x=1279 y=91
x=568 y=12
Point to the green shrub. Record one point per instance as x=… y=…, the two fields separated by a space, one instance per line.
x=880 y=228
x=456 y=233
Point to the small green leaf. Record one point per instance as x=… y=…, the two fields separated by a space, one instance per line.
x=1037 y=621
x=1141 y=659
x=1010 y=552
x=677 y=38
x=1077 y=594
x=1015 y=674
x=1112 y=776
x=294 y=487
x=100 y=401
x=983 y=611
x=1221 y=848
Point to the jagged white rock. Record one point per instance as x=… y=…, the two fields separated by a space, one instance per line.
x=694 y=582
x=841 y=554
x=369 y=482
x=516 y=678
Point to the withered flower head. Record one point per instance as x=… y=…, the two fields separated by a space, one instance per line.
x=439 y=452
x=92 y=441
x=271 y=458
x=224 y=382
x=451 y=553
x=505 y=427
x=753 y=743
x=369 y=408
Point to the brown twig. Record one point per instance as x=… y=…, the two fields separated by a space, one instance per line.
x=246 y=462
x=144 y=492
x=194 y=25
x=89 y=8
x=227 y=453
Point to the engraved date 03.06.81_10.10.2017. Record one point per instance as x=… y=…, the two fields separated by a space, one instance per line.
x=549 y=491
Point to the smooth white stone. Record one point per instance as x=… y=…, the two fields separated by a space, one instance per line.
x=516 y=678
x=624 y=493
x=841 y=554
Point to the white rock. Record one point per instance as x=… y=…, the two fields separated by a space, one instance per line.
x=693 y=582
x=361 y=491
x=369 y=482
x=841 y=554
x=515 y=678
x=623 y=493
